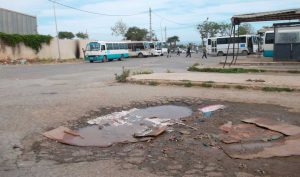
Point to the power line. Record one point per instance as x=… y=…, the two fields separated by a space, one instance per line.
x=96 y=13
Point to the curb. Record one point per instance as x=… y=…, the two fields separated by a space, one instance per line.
x=208 y=84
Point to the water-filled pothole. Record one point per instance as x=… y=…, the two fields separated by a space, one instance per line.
x=132 y=125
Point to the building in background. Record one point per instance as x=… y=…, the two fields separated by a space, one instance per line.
x=12 y=22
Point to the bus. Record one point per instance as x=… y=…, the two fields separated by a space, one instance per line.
x=105 y=51
x=244 y=44
x=155 y=48
x=138 y=49
x=282 y=36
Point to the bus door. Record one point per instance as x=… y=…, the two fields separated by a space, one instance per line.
x=250 y=44
x=214 y=46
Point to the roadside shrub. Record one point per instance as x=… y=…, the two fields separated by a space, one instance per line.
x=187 y=83
x=34 y=41
x=123 y=76
x=153 y=83
x=142 y=72
x=277 y=89
x=240 y=87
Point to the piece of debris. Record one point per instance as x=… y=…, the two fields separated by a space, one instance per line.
x=274 y=125
x=184 y=132
x=180 y=123
x=151 y=132
x=255 y=80
x=289 y=146
x=245 y=133
x=208 y=110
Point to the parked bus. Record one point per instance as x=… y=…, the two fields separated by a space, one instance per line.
x=138 y=49
x=286 y=35
x=244 y=44
x=105 y=51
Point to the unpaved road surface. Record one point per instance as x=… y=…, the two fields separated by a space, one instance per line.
x=37 y=98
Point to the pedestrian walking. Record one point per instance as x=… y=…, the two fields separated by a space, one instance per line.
x=169 y=53
x=188 y=52
x=204 y=51
x=178 y=51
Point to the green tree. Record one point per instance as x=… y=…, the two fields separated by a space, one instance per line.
x=119 y=29
x=224 y=29
x=246 y=28
x=173 y=40
x=81 y=35
x=208 y=29
x=136 y=34
x=65 y=35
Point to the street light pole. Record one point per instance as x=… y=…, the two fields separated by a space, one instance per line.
x=58 y=46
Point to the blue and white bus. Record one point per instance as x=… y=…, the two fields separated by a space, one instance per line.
x=105 y=51
x=244 y=44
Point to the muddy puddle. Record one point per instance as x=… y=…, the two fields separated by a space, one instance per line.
x=127 y=126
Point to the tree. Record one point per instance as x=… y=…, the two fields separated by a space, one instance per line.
x=246 y=28
x=136 y=34
x=225 y=29
x=208 y=29
x=65 y=35
x=81 y=35
x=119 y=29
x=173 y=40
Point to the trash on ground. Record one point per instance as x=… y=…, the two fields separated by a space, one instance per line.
x=274 y=125
x=246 y=132
x=208 y=110
x=122 y=127
x=150 y=132
x=288 y=146
x=255 y=80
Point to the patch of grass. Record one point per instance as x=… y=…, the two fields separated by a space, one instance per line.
x=277 y=89
x=168 y=71
x=225 y=70
x=209 y=82
x=240 y=87
x=223 y=86
x=294 y=71
x=196 y=64
x=206 y=85
x=123 y=76
x=187 y=83
x=153 y=83
x=142 y=72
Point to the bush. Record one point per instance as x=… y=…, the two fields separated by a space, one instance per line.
x=33 y=41
x=65 y=35
x=123 y=76
x=142 y=72
x=277 y=89
x=153 y=83
x=188 y=84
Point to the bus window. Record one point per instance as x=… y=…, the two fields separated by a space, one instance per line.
x=243 y=40
x=93 y=46
x=151 y=46
x=109 y=46
x=269 y=38
x=116 y=46
x=209 y=42
x=102 y=47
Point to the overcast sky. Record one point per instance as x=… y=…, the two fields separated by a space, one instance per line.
x=186 y=14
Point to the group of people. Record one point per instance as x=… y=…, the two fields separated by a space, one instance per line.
x=188 y=52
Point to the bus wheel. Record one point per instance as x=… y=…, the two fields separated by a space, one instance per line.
x=140 y=55
x=121 y=58
x=220 y=53
x=104 y=59
x=244 y=53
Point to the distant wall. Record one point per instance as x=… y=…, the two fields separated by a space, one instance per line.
x=69 y=49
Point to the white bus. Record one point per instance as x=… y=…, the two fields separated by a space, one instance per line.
x=282 y=36
x=138 y=49
x=105 y=51
x=155 y=48
x=244 y=44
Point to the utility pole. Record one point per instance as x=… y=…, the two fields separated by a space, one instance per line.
x=150 y=15
x=165 y=33
x=58 y=47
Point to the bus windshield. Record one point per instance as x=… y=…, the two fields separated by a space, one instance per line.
x=93 y=46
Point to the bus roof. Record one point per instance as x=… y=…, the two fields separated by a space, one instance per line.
x=247 y=35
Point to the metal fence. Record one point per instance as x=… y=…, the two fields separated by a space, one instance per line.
x=17 y=23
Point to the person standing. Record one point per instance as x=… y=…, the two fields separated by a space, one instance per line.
x=188 y=52
x=169 y=53
x=178 y=51
x=204 y=51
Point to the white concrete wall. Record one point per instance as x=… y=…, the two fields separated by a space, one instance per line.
x=67 y=50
